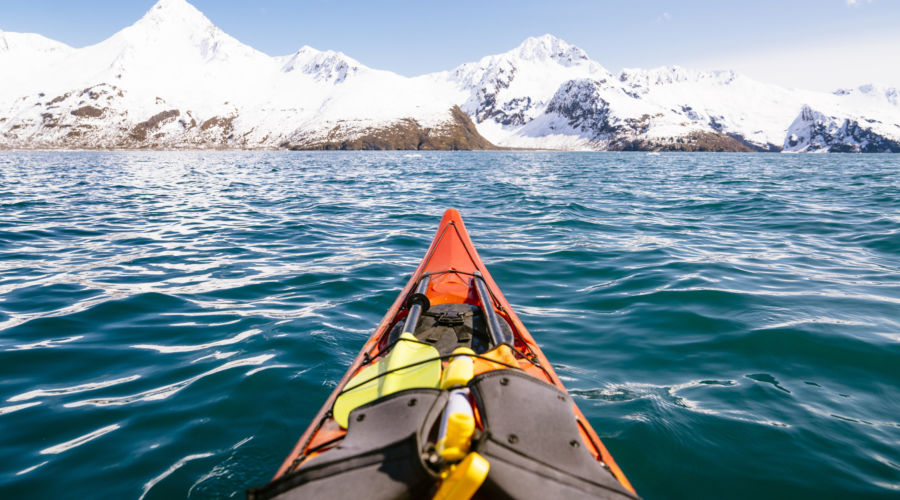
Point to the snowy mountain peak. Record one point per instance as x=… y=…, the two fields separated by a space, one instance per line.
x=548 y=47
x=172 y=4
x=3 y=43
x=176 y=32
x=513 y=88
x=174 y=14
x=171 y=10
x=326 y=65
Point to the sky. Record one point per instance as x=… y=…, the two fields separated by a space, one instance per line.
x=813 y=44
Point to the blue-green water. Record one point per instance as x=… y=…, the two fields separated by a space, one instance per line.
x=171 y=322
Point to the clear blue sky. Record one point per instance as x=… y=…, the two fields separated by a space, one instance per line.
x=811 y=43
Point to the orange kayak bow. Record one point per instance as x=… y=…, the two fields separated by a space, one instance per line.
x=450 y=397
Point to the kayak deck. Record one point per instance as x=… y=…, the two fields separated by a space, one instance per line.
x=461 y=306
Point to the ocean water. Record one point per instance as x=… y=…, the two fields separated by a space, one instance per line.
x=171 y=322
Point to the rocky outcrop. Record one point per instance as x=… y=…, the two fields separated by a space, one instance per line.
x=328 y=66
x=579 y=102
x=814 y=131
x=699 y=141
x=582 y=105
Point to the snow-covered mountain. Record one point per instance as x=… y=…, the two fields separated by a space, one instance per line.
x=549 y=94
x=175 y=80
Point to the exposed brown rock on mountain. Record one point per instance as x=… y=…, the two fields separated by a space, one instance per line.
x=695 y=142
x=140 y=131
x=404 y=134
x=87 y=112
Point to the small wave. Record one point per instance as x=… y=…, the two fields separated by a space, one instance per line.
x=39 y=393
x=267 y=367
x=169 y=390
x=199 y=347
x=177 y=465
x=49 y=343
x=68 y=445
x=33 y=467
x=14 y=408
x=827 y=413
x=669 y=396
x=215 y=355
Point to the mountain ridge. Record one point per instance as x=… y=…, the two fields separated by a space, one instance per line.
x=174 y=80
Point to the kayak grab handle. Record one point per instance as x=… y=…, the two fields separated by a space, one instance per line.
x=498 y=334
x=418 y=303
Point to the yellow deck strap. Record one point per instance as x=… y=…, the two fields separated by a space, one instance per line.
x=407 y=351
x=464 y=479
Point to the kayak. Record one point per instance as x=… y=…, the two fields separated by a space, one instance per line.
x=450 y=398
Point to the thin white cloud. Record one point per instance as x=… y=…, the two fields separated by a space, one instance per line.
x=824 y=65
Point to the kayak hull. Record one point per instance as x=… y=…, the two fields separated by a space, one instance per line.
x=451 y=265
